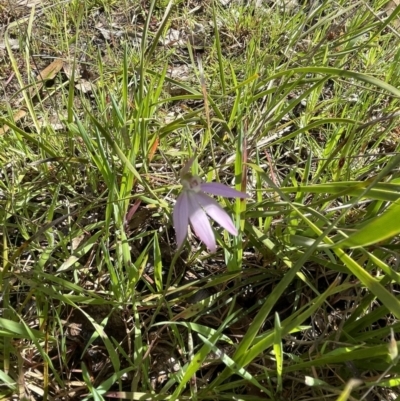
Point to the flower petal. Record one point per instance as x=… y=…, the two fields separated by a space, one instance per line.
x=216 y=188
x=199 y=222
x=215 y=211
x=181 y=217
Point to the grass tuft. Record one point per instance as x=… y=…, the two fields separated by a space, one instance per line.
x=296 y=103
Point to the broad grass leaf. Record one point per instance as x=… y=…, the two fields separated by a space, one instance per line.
x=379 y=229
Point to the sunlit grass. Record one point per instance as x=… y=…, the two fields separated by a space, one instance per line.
x=298 y=107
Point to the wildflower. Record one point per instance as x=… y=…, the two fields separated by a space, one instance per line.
x=193 y=206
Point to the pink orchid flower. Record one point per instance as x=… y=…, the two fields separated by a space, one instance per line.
x=193 y=206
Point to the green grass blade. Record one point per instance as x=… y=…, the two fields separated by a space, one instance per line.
x=380 y=229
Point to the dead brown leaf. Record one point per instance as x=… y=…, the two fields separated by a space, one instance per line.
x=84 y=86
x=17 y=116
x=389 y=8
x=70 y=70
x=48 y=73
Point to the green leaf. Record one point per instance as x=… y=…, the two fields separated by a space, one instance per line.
x=229 y=362
x=278 y=350
x=379 y=229
x=7 y=381
x=380 y=191
x=15 y=329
